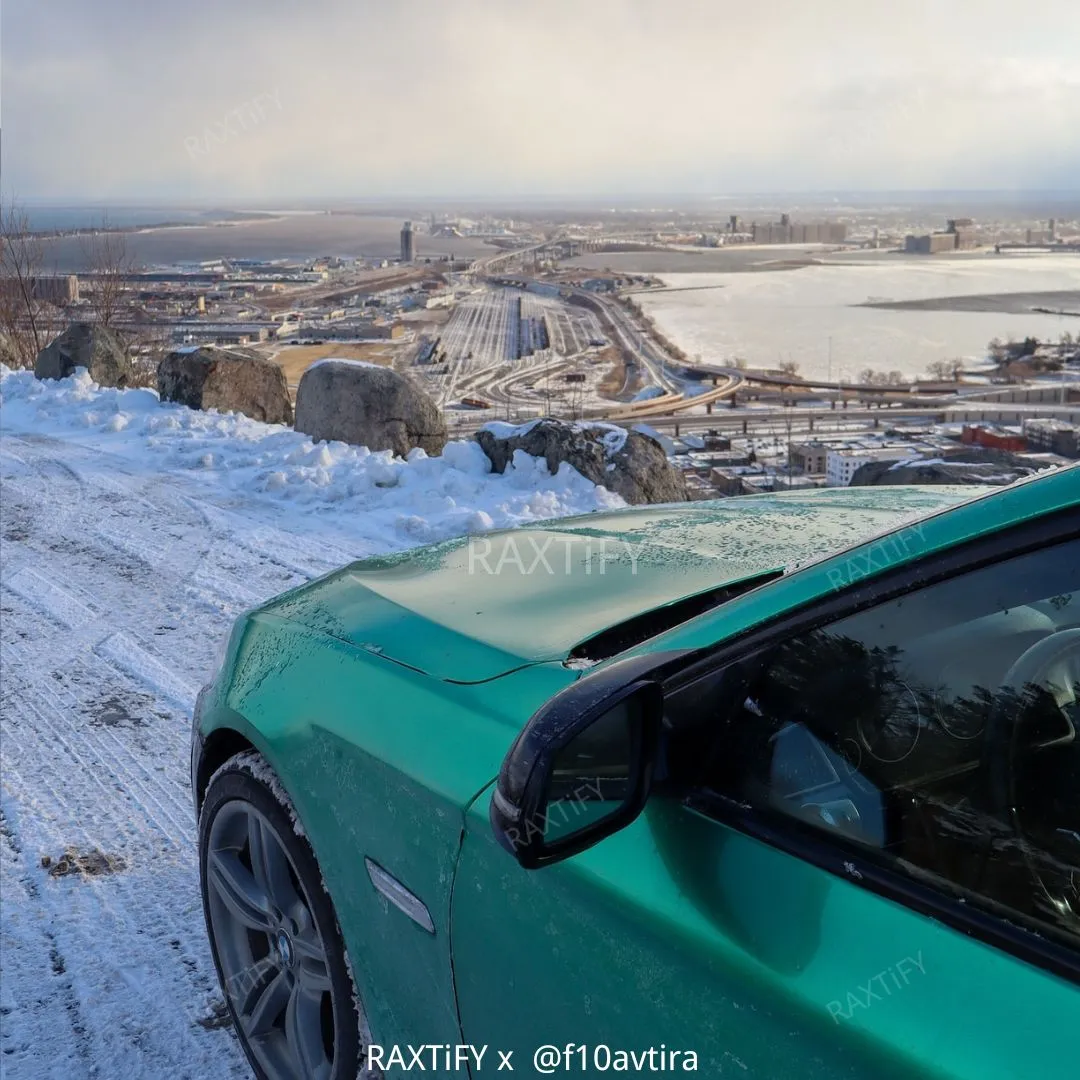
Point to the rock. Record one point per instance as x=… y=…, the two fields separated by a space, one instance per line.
x=229 y=380
x=629 y=463
x=101 y=351
x=368 y=405
x=937 y=472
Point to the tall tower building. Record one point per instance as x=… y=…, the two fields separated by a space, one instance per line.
x=408 y=245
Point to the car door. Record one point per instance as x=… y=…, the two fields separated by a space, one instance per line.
x=863 y=860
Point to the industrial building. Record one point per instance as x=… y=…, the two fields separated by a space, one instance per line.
x=993 y=437
x=1054 y=436
x=786 y=231
x=220 y=333
x=59 y=289
x=960 y=235
x=930 y=243
x=352 y=330
x=408 y=243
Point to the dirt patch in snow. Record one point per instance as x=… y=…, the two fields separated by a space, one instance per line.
x=90 y=863
x=115 y=710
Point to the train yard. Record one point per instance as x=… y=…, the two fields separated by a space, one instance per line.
x=505 y=346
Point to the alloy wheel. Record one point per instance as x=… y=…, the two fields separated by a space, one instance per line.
x=274 y=964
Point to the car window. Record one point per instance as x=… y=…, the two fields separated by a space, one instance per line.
x=936 y=732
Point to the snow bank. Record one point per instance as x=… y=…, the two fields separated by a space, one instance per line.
x=379 y=502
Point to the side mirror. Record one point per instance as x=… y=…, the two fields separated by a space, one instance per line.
x=581 y=769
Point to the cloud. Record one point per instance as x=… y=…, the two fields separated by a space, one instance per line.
x=475 y=96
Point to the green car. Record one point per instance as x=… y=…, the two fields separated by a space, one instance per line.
x=783 y=786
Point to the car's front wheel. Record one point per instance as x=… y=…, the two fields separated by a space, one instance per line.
x=273 y=931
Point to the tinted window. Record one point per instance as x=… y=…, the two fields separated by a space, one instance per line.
x=937 y=731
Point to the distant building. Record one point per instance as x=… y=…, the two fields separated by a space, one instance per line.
x=1054 y=436
x=993 y=438
x=960 y=235
x=735 y=479
x=408 y=243
x=353 y=330
x=59 y=289
x=808 y=457
x=963 y=229
x=220 y=333
x=841 y=465
x=787 y=232
x=930 y=243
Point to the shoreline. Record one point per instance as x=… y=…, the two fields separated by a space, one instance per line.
x=1042 y=302
x=153 y=227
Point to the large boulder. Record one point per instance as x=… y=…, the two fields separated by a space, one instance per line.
x=367 y=405
x=876 y=473
x=630 y=463
x=101 y=351
x=229 y=380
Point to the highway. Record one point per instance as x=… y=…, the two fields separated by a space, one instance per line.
x=819 y=418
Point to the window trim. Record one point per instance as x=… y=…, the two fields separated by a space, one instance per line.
x=831 y=853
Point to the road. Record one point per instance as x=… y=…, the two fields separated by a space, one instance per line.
x=116 y=588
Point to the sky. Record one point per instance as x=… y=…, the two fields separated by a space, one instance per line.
x=271 y=99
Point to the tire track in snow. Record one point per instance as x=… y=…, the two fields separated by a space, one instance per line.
x=116 y=589
x=50 y=598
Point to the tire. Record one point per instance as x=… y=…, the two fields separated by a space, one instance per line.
x=273 y=932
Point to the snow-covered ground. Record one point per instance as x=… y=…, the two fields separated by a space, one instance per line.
x=132 y=534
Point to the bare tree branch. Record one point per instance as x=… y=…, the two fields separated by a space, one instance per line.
x=29 y=316
x=110 y=265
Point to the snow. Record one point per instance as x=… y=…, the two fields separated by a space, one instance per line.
x=344 y=360
x=649 y=393
x=256 y=765
x=378 y=502
x=134 y=532
x=664 y=440
x=613 y=437
x=502 y=430
x=915 y=461
x=763 y=317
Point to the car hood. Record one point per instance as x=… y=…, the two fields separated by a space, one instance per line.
x=474 y=608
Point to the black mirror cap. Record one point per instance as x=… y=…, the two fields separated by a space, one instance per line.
x=518 y=806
